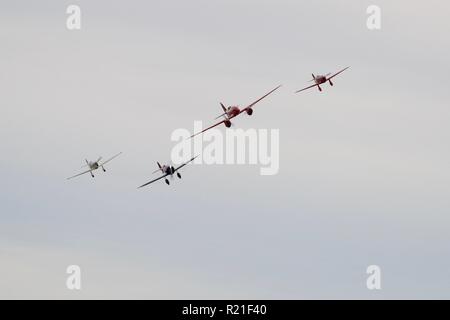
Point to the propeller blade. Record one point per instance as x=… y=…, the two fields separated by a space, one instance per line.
x=313 y=78
x=86 y=165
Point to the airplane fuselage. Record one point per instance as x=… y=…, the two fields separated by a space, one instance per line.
x=169 y=170
x=233 y=111
x=166 y=169
x=93 y=165
x=320 y=79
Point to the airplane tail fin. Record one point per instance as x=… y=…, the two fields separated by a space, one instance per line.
x=86 y=165
x=158 y=170
x=313 y=78
x=224 y=111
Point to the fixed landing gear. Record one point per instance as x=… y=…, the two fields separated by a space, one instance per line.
x=331 y=83
x=320 y=89
x=167 y=182
x=92 y=175
x=104 y=170
x=178 y=175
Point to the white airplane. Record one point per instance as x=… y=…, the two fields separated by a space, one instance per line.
x=167 y=170
x=94 y=165
x=318 y=80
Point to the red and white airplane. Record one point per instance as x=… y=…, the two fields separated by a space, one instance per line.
x=233 y=111
x=318 y=80
x=167 y=170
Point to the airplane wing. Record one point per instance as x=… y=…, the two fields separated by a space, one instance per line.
x=213 y=126
x=334 y=75
x=105 y=162
x=178 y=168
x=77 y=175
x=312 y=86
x=252 y=104
x=154 y=180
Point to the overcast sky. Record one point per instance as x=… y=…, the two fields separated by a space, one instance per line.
x=364 y=165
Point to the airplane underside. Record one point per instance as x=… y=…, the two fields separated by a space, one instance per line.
x=167 y=180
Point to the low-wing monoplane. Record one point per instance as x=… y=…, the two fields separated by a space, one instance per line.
x=167 y=170
x=233 y=111
x=318 y=80
x=94 y=165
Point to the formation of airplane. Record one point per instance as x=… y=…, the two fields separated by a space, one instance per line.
x=233 y=111
x=228 y=114
x=320 y=79
x=94 y=165
x=166 y=171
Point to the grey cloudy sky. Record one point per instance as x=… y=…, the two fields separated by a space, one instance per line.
x=363 y=178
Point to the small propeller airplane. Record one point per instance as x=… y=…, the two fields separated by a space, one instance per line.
x=167 y=170
x=94 y=165
x=318 y=80
x=233 y=111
